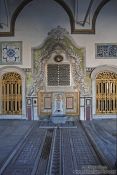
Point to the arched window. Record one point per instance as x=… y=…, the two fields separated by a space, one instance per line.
x=11 y=93
x=106 y=93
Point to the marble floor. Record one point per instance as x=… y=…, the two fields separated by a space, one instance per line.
x=104 y=134
x=43 y=148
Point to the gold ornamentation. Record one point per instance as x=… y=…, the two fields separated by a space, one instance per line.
x=106 y=75
x=11 y=93
x=106 y=93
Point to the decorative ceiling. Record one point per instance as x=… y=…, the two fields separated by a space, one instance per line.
x=82 y=14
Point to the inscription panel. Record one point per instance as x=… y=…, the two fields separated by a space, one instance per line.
x=47 y=103
x=44 y=103
x=106 y=50
x=72 y=103
x=69 y=103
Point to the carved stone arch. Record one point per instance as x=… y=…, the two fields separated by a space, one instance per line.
x=60 y=38
x=96 y=71
x=19 y=71
x=101 y=69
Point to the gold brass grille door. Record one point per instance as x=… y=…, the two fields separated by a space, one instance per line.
x=11 y=93
x=106 y=93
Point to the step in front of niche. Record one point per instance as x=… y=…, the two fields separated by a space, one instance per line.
x=2 y=116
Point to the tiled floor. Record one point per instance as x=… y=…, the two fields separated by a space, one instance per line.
x=11 y=131
x=34 y=148
x=104 y=133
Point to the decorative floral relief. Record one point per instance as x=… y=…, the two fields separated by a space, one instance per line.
x=58 y=40
x=11 y=52
x=58 y=33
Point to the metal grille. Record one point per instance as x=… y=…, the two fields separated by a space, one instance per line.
x=106 y=93
x=58 y=74
x=11 y=93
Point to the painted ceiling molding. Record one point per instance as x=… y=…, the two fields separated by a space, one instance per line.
x=68 y=11
x=95 y=14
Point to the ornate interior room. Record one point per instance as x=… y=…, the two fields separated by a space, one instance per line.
x=58 y=58
x=58 y=87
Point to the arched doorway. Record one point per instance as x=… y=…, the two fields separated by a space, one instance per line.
x=106 y=93
x=11 y=93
